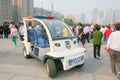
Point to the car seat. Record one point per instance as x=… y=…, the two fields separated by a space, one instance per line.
x=41 y=42
x=31 y=36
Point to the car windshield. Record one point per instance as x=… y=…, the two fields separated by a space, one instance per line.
x=58 y=29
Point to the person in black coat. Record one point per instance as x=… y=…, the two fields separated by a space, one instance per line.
x=6 y=29
x=1 y=31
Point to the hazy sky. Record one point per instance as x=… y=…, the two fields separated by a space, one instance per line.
x=77 y=6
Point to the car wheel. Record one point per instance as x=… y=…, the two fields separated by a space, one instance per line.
x=25 y=53
x=51 y=68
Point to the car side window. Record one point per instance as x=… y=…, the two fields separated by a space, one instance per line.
x=37 y=34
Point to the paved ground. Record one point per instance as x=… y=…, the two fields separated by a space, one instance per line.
x=13 y=66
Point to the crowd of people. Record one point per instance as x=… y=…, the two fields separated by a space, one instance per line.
x=4 y=30
x=98 y=35
x=94 y=33
x=10 y=30
x=85 y=32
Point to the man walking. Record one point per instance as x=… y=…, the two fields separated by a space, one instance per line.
x=86 y=31
x=113 y=47
x=21 y=32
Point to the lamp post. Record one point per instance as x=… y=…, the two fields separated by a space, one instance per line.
x=52 y=8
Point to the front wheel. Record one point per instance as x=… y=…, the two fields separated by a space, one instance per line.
x=51 y=68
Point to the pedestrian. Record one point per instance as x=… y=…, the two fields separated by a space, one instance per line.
x=107 y=33
x=77 y=33
x=1 y=31
x=91 y=30
x=14 y=34
x=113 y=47
x=21 y=32
x=81 y=35
x=10 y=25
x=103 y=29
x=73 y=28
x=6 y=29
x=97 y=38
x=86 y=31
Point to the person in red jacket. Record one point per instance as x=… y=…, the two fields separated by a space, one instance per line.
x=107 y=33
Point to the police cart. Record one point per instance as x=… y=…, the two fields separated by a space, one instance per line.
x=53 y=43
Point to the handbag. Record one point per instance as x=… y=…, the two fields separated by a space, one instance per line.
x=11 y=35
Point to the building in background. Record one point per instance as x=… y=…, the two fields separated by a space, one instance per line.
x=116 y=15
x=15 y=10
x=108 y=16
x=5 y=11
x=100 y=17
x=22 y=8
x=41 y=11
x=94 y=15
x=27 y=8
x=44 y=12
x=83 y=18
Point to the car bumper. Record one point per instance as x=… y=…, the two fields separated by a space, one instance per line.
x=71 y=58
x=72 y=61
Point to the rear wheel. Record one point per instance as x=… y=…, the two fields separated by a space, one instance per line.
x=25 y=53
x=51 y=68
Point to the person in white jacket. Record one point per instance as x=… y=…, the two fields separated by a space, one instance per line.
x=113 y=47
x=21 y=32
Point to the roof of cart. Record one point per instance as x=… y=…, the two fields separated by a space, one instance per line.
x=40 y=17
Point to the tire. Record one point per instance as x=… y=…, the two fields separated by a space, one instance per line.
x=25 y=53
x=51 y=68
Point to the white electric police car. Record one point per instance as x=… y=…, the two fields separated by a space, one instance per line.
x=53 y=43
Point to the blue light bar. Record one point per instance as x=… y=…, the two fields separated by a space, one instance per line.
x=39 y=17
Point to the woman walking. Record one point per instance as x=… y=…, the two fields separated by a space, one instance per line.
x=14 y=34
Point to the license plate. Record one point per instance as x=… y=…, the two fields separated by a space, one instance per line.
x=76 y=60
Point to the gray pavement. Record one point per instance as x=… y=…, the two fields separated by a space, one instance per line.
x=13 y=66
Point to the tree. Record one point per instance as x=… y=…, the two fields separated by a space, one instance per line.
x=68 y=21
